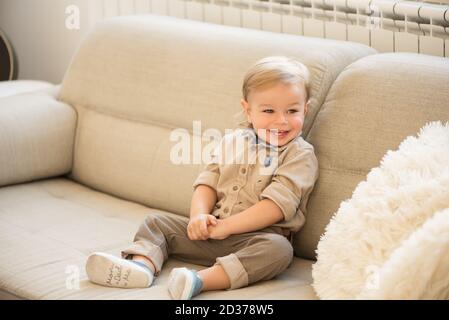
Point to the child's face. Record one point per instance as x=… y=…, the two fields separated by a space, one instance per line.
x=277 y=111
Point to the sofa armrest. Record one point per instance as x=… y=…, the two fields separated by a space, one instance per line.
x=37 y=134
x=13 y=87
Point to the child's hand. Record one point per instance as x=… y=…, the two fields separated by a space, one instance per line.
x=219 y=231
x=197 y=227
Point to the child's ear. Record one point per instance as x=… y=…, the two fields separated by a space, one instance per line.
x=246 y=109
x=306 y=107
x=244 y=104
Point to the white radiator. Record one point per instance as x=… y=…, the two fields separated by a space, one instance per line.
x=386 y=25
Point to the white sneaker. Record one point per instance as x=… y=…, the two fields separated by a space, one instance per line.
x=183 y=284
x=110 y=271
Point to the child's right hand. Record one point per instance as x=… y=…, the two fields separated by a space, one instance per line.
x=197 y=227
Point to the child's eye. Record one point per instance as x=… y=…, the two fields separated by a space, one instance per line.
x=268 y=110
x=293 y=110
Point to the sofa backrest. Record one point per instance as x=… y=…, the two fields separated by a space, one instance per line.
x=136 y=79
x=373 y=105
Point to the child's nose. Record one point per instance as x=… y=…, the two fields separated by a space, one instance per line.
x=281 y=118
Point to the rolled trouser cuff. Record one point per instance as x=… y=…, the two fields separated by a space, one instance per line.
x=235 y=271
x=147 y=250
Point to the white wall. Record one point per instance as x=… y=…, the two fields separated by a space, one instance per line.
x=37 y=31
x=38 y=34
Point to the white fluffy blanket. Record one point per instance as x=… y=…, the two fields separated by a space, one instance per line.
x=391 y=239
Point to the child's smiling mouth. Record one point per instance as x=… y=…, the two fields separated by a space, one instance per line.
x=278 y=133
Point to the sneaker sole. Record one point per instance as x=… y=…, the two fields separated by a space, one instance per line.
x=110 y=271
x=188 y=282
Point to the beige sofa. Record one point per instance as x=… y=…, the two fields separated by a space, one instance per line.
x=80 y=168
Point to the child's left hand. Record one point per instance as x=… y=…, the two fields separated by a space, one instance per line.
x=218 y=231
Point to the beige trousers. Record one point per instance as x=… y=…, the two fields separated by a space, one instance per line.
x=246 y=258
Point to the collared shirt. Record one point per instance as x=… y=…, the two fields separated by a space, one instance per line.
x=245 y=170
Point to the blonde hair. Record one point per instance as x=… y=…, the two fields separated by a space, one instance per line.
x=272 y=70
x=269 y=71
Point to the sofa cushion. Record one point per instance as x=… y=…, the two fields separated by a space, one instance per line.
x=170 y=71
x=373 y=105
x=36 y=137
x=135 y=79
x=49 y=227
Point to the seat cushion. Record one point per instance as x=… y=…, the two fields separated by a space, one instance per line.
x=49 y=227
